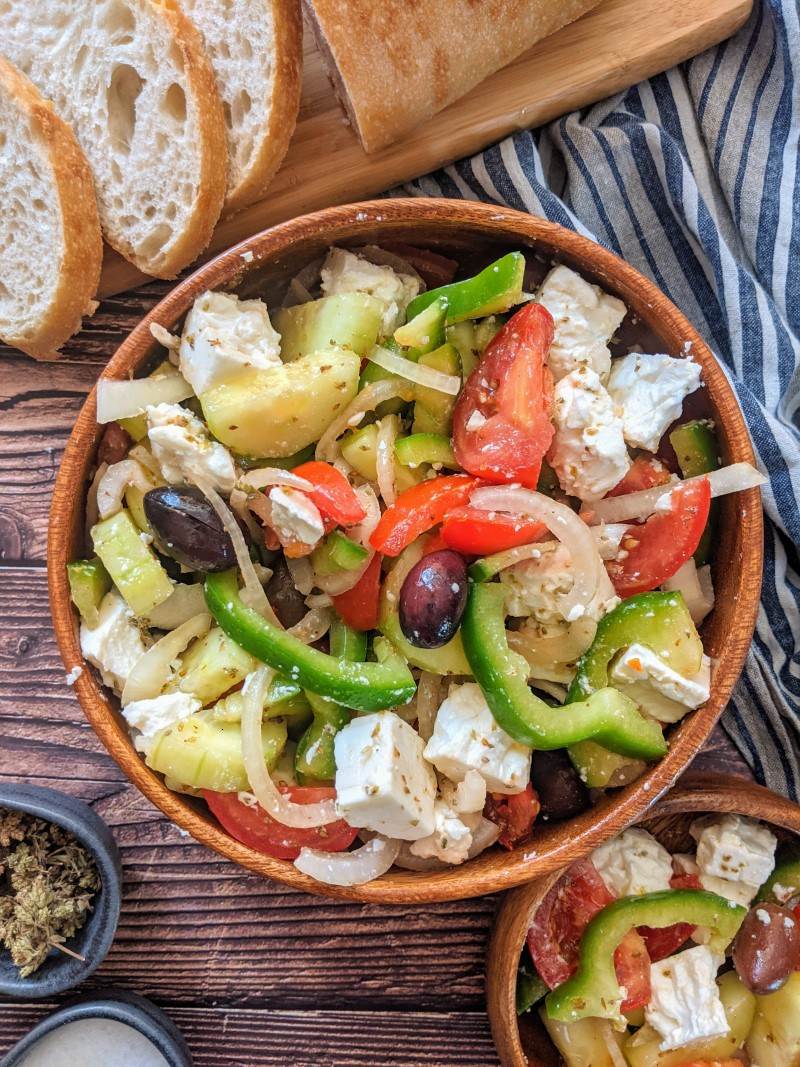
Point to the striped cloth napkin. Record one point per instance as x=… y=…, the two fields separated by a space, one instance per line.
x=693 y=177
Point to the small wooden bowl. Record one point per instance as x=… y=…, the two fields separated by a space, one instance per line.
x=523 y=1042
x=470 y=232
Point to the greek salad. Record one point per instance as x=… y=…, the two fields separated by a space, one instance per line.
x=405 y=559
x=642 y=958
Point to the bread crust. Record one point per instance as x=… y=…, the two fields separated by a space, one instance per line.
x=283 y=106
x=82 y=245
x=423 y=56
x=212 y=142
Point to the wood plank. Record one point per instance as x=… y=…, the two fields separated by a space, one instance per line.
x=224 y=1037
x=612 y=47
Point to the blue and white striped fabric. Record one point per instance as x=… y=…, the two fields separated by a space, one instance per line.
x=694 y=178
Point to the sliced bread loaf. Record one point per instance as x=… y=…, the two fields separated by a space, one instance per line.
x=133 y=79
x=255 y=48
x=50 y=245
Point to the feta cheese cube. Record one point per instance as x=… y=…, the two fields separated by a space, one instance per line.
x=345 y=272
x=451 y=839
x=736 y=892
x=185 y=450
x=295 y=517
x=633 y=863
x=661 y=691
x=734 y=848
x=115 y=645
x=585 y=319
x=161 y=712
x=382 y=781
x=650 y=390
x=608 y=536
x=223 y=337
x=588 y=452
x=684 y=1000
x=467 y=738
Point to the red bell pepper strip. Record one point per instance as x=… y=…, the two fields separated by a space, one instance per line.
x=476 y=532
x=418 y=509
x=358 y=607
x=332 y=493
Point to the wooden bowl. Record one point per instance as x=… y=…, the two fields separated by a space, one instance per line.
x=523 y=1042
x=471 y=232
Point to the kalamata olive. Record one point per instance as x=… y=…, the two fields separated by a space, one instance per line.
x=114 y=444
x=433 y=598
x=287 y=602
x=561 y=792
x=187 y=528
x=767 y=948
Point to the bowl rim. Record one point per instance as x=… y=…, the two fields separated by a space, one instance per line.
x=348 y=223
x=696 y=794
x=75 y=816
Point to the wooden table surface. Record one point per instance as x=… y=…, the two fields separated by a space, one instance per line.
x=253 y=973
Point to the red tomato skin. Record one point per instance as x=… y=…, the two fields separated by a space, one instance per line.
x=332 y=493
x=512 y=389
x=660 y=547
x=257 y=829
x=418 y=509
x=664 y=942
x=632 y=964
x=475 y=532
x=515 y=813
x=645 y=472
x=359 y=606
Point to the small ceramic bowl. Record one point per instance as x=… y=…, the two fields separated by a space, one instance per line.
x=523 y=1041
x=124 y=1007
x=60 y=972
x=474 y=234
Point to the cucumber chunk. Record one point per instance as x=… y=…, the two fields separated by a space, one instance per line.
x=433 y=411
x=212 y=665
x=131 y=563
x=344 y=320
x=338 y=553
x=425 y=332
x=88 y=584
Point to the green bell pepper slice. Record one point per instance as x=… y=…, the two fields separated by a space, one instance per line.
x=425 y=331
x=314 y=758
x=363 y=686
x=497 y=288
x=786 y=875
x=421 y=448
x=659 y=620
x=593 y=991
x=605 y=715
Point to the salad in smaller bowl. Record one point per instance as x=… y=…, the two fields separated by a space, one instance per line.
x=392 y=567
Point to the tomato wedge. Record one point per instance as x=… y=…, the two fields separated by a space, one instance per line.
x=255 y=827
x=644 y=473
x=514 y=813
x=476 y=532
x=555 y=936
x=659 y=548
x=418 y=509
x=501 y=421
x=662 y=943
x=332 y=493
x=358 y=607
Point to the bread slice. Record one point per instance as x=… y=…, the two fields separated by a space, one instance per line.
x=256 y=50
x=395 y=63
x=51 y=250
x=133 y=79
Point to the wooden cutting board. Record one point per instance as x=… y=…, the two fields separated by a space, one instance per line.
x=614 y=46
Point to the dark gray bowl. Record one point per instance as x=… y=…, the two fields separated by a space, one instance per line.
x=60 y=972
x=125 y=1007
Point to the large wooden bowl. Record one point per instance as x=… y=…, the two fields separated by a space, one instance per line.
x=468 y=231
x=523 y=1042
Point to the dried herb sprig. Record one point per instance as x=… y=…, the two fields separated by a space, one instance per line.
x=47 y=884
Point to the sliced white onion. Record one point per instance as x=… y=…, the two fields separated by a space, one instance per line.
x=253 y=593
x=262 y=476
x=564 y=524
x=145 y=458
x=170 y=341
x=699 y=598
x=366 y=400
x=336 y=584
x=358 y=867
x=317 y=600
x=557 y=692
x=185 y=602
x=275 y=803
x=153 y=670
x=429 y=697
x=372 y=515
x=91 y=501
x=299 y=291
x=302 y=574
x=733 y=479
x=415 y=372
x=483 y=836
x=239 y=506
x=384 y=462
x=610 y=1041
x=407 y=861
x=314 y=625
x=111 y=487
x=122 y=400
